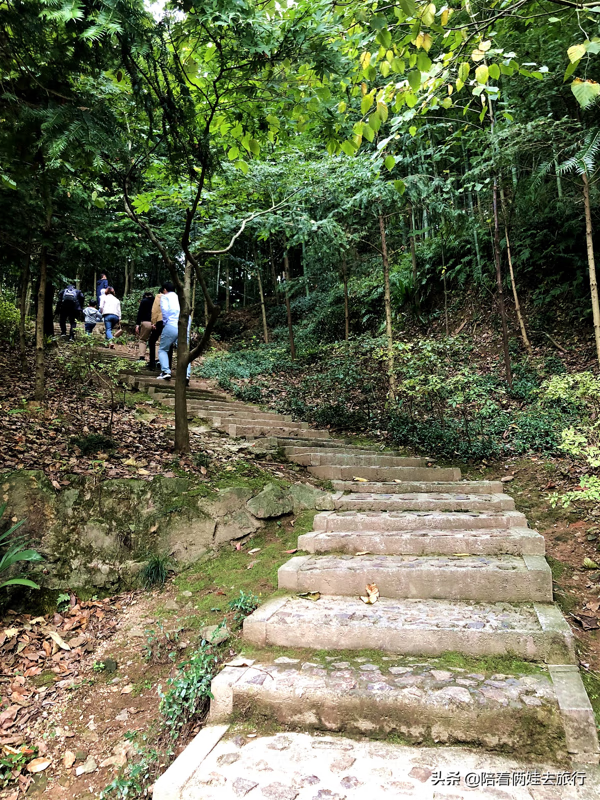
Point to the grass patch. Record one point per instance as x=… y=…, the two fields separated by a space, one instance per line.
x=591 y=681
x=216 y=580
x=559 y=568
x=43 y=679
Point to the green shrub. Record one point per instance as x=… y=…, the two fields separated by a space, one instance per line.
x=9 y=320
x=155 y=572
x=93 y=443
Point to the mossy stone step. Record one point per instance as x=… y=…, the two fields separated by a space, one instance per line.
x=414 y=627
x=425 y=501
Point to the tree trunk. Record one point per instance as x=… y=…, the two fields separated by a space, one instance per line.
x=286 y=263
x=262 y=307
x=273 y=272
x=193 y=307
x=413 y=249
x=499 y=283
x=23 y=310
x=182 y=434
x=40 y=367
x=513 y=283
x=227 y=288
x=126 y=289
x=388 y=309
x=591 y=262
x=346 y=309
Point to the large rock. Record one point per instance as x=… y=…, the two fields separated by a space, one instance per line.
x=305 y=496
x=273 y=501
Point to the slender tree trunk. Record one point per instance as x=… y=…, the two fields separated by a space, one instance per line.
x=591 y=261
x=205 y=313
x=388 y=308
x=218 y=280
x=262 y=307
x=182 y=434
x=40 y=367
x=286 y=263
x=244 y=296
x=413 y=249
x=513 y=282
x=23 y=309
x=346 y=308
x=499 y=283
x=193 y=308
x=126 y=289
x=445 y=291
x=227 y=289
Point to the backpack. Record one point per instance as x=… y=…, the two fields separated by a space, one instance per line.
x=70 y=293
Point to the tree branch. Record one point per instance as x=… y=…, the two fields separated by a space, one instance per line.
x=243 y=226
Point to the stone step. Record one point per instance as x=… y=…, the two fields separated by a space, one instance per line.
x=342 y=447
x=201 y=395
x=504 y=578
x=425 y=501
x=277 y=431
x=208 y=404
x=334 y=473
x=488 y=541
x=417 y=520
x=244 y=417
x=402 y=487
x=222 y=763
x=546 y=713
x=316 y=459
x=531 y=631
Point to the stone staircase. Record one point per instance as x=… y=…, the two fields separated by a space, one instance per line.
x=464 y=646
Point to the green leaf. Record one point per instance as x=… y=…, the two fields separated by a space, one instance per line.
x=342 y=107
x=414 y=80
x=585 y=91
x=411 y=99
x=423 y=62
x=390 y=163
x=349 y=148
x=413 y=130
x=254 y=147
x=375 y=121
x=507 y=115
x=368 y=132
x=570 y=70
x=233 y=153
x=243 y=166
x=576 y=52
x=409 y=7
x=20 y=582
x=494 y=70
x=384 y=37
x=428 y=16
x=463 y=72
x=482 y=74
x=366 y=103
x=399 y=186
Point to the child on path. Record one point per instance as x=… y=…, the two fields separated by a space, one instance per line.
x=91 y=317
x=143 y=323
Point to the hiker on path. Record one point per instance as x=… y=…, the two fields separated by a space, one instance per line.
x=91 y=317
x=169 y=306
x=157 y=326
x=101 y=287
x=143 y=323
x=70 y=305
x=110 y=308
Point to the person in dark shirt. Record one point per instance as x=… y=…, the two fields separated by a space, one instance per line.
x=101 y=287
x=70 y=305
x=143 y=323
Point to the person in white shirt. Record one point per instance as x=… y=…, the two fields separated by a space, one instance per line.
x=169 y=307
x=110 y=308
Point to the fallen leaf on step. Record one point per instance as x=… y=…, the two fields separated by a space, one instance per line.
x=251 y=564
x=69 y=759
x=397 y=480
x=372 y=594
x=143 y=472
x=507 y=478
x=589 y=564
x=254 y=550
x=461 y=555
x=289 y=552
x=363 y=553
x=310 y=595
x=360 y=480
x=127 y=689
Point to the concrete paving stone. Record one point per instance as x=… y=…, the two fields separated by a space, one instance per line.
x=314 y=767
x=343 y=459
x=488 y=541
x=415 y=705
x=402 y=487
x=413 y=627
x=278 y=431
x=415 y=520
x=480 y=578
x=336 y=473
x=424 y=501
